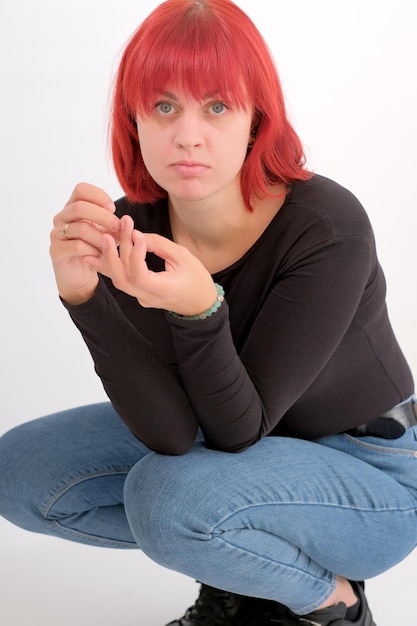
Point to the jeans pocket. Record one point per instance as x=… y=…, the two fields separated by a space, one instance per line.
x=397 y=457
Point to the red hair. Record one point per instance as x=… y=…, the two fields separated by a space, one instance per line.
x=203 y=46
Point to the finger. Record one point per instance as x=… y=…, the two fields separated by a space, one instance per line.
x=92 y=194
x=83 y=230
x=74 y=248
x=102 y=219
x=166 y=249
x=109 y=262
x=138 y=268
x=126 y=242
x=96 y=263
x=88 y=202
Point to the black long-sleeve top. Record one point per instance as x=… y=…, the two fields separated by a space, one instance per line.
x=302 y=345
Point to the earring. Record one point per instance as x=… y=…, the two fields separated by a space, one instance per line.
x=252 y=138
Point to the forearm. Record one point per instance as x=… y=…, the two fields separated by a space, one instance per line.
x=144 y=390
x=227 y=404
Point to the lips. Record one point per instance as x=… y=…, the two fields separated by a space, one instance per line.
x=189 y=168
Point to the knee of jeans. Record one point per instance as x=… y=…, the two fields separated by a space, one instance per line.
x=167 y=501
x=11 y=462
x=21 y=473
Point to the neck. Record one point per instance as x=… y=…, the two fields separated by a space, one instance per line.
x=220 y=234
x=208 y=222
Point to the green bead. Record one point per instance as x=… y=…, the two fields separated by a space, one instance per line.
x=202 y=316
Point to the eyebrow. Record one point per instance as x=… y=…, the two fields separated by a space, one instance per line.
x=169 y=95
x=173 y=96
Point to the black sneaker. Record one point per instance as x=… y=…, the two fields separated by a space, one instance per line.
x=221 y=608
x=334 y=615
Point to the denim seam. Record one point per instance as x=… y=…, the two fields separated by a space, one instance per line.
x=302 y=609
x=75 y=480
x=100 y=541
x=220 y=535
x=64 y=487
x=374 y=447
x=349 y=507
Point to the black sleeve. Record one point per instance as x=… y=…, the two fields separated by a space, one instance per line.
x=240 y=398
x=235 y=398
x=144 y=390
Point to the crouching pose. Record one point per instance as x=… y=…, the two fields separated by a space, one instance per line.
x=261 y=431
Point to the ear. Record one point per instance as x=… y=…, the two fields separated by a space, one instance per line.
x=256 y=120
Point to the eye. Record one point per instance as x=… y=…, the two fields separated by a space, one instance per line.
x=218 y=108
x=164 y=107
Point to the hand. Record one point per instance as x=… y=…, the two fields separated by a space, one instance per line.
x=185 y=286
x=77 y=233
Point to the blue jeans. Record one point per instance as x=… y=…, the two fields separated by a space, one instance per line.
x=277 y=521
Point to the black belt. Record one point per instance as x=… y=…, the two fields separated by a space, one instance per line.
x=390 y=425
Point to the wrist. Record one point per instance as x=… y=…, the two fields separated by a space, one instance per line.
x=208 y=312
x=79 y=296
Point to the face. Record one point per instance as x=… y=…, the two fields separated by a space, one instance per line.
x=194 y=150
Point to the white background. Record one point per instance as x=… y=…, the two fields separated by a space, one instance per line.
x=348 y=69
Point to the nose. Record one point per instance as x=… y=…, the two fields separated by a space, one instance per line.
x=189 y=132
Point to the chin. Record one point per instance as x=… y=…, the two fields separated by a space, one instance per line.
x=189 y=195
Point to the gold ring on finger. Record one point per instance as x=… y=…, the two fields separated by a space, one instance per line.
x=65 y=232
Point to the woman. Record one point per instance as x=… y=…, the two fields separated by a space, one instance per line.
x=232 y=302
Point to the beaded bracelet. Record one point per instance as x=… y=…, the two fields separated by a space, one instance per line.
x=202 y=316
